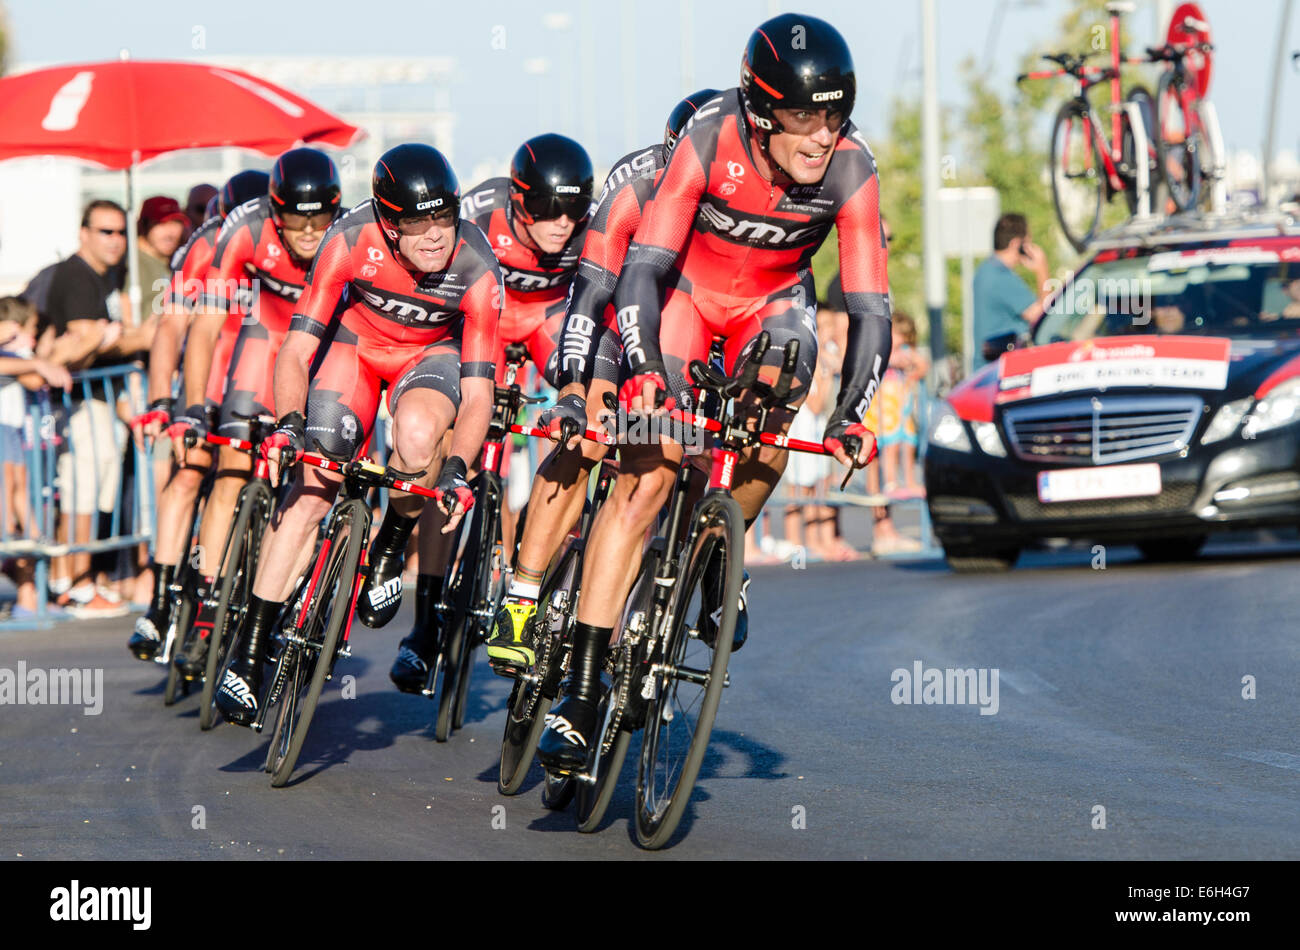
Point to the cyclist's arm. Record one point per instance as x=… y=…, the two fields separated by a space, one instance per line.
x=327 y=279
x=482 y=306
x=165 y=353
x=664 y=228
x=865 y=279
x=235 y=247
x=592 y=290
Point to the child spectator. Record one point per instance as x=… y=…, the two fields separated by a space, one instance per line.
x=19 y=372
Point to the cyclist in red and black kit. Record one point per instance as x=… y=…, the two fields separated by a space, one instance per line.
x=535 y=222
x=176 y=500
x=406 y=294
x=258 y=273
x=751 y=190
x=589 y=352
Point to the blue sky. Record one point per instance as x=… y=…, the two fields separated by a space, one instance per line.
x=499 y=104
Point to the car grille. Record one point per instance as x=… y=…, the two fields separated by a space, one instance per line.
x=1175 y=497
x=1096 y=430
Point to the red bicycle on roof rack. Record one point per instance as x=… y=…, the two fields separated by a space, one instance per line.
x=1152 y=139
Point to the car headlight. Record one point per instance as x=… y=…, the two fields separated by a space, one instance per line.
x=946 y=428
x=986 y=434
x=1226 y=420
x=1280 y=407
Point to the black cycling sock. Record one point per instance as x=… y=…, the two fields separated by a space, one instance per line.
x=262 y=615
x=428 y=588
x=583 y=681
x=163 y=575
x=394 y=532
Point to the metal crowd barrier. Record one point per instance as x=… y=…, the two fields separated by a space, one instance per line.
x=75 y=448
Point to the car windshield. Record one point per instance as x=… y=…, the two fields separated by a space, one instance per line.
x=1222 y=291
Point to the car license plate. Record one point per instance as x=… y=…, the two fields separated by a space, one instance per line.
x=1107 y=481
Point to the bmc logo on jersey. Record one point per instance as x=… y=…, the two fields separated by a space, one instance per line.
x=279 y=288
x=522 y=280
x=758 y=233
x=828 y=96
x=404 y=310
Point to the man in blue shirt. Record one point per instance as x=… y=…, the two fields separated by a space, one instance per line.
x=1003 y=302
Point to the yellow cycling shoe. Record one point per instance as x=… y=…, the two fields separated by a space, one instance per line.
x=510 y=648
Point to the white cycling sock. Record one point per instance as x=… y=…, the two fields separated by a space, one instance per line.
x=524 y=591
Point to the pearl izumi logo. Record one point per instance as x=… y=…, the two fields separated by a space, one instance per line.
x=78 y=903
x=58 y=687
x=931 y=686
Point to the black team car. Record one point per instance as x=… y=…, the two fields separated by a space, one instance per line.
x=1157 y=401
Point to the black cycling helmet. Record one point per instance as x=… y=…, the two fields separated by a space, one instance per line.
x=795 y=62
x=411 y=181
x=241 y=187
x=213 y=208
x=551 y=175
x=304 y=181
x=682 y=113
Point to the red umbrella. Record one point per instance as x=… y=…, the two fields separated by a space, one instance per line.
x=120 y=113
x=117 y=114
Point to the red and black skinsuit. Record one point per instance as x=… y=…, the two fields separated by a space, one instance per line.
x=382 y=324
x=257 y=281
x=536 y=284
x=721 y=250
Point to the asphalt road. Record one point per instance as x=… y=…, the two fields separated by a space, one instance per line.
x=1120 y=688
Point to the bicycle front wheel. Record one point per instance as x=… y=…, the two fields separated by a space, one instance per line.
x=1078 y=174
x=1178 y=141
x=689 y=675
x=238 y=567
x=182 y=615
x=328 y=607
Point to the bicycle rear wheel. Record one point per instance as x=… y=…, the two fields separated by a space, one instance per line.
x=329 y=606
x=238 y=567
x=1178 y=140
x=1078 y=174
x=689 y=675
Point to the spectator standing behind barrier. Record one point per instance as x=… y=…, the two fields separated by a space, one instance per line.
x=19 y=372
x=88 y=314
x=896 y=410
x=161 y=228
x=1003 y=303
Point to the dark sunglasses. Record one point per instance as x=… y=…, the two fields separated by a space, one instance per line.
x=550 y=207
x=110 y=232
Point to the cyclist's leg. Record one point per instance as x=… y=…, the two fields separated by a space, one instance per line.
x=786 y=315
x=423 y=399
x=423 y=403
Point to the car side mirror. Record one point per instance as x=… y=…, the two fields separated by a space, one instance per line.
x=995 y=346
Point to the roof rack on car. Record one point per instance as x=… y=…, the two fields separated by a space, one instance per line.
x=1196 y=226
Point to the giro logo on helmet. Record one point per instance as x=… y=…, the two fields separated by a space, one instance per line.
x=567 y=189
x=828 y=96
x=309 y=206
x=435 y=203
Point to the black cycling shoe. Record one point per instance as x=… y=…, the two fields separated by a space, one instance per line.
x=709 y=619
x=192 y=661
x=410 y=670
x=570 y=728
x=237 y=696
x=145 y=638
x=381 y=595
